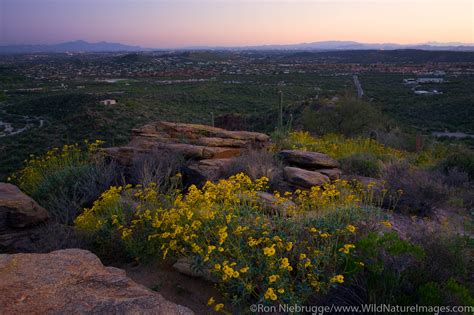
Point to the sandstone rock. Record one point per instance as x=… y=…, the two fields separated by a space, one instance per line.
x=198 y=131
x=17 y=210
x=185 y=266
x=19 y=219
x=192 y=142
x=332 y=173
x=270 y=203
x=73 y=281
x=209 y=169
x=308 y=160
x=304 y=178
x=124 y=156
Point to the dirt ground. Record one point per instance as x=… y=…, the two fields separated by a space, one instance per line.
x=175 y=287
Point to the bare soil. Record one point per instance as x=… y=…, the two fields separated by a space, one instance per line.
x=174 y=286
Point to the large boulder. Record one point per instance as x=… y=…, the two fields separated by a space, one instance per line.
x=303 y=178
x=308 y=160
x=17 y=210
x=73 y=281
x=19 y=219
x=209 y=169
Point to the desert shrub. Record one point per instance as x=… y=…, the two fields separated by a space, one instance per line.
x=338 y=146
x=363 y=164
x=65 y=180
x=349 y=116
x=158 y=167
x=254 y=257
x=436 y=274
x=257 y=164
x=388 y=257
x=421 y=190
x=460 y=161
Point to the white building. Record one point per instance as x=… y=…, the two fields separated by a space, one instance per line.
x=109 y=102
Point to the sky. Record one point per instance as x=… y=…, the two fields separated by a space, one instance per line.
x=181 y=23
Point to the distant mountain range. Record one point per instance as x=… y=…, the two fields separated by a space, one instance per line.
x=75 y=46
x=350 y=45
x=83 y=46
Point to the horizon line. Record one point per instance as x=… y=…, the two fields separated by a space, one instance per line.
x=429 y=43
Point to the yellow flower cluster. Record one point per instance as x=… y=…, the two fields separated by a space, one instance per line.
x=347 y=248
x=338 y=146
x=251 y=253
x=37 y=168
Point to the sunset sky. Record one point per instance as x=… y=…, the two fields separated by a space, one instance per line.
x=178 y=23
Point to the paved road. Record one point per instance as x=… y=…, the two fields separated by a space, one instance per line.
x=360 y=91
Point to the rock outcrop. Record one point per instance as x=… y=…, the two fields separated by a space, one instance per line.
x=308 y=169
x=205 y=148
x=209 y=169
x=303 y=178
x=19 y=214
x=208 y=153
x=308 y=160
x=73 y=281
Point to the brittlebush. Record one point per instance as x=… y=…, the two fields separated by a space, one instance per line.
x=57 y=162
x=223 y=227
x=338 y=146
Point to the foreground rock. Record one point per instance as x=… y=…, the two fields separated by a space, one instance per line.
x=73 y=281
x=302 y=178
x=308 y=160
x=19 y=216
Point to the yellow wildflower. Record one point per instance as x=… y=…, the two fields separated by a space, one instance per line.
x=270 y=294
x=269 y=251
x=273 y=278
x=337 y=279
x=351 y=228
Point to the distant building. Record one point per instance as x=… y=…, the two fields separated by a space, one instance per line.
x=432 y=92
x=109 y=102
x=430 y=80
x=423 y=80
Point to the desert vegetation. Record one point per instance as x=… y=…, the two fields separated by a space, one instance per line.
x=340 y=242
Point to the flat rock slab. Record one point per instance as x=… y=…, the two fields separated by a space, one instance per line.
x=74 y=281
x=308 y=160
x=197 y=131
x=304 y=178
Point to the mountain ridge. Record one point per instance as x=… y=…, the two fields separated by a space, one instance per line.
x=84 y=46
